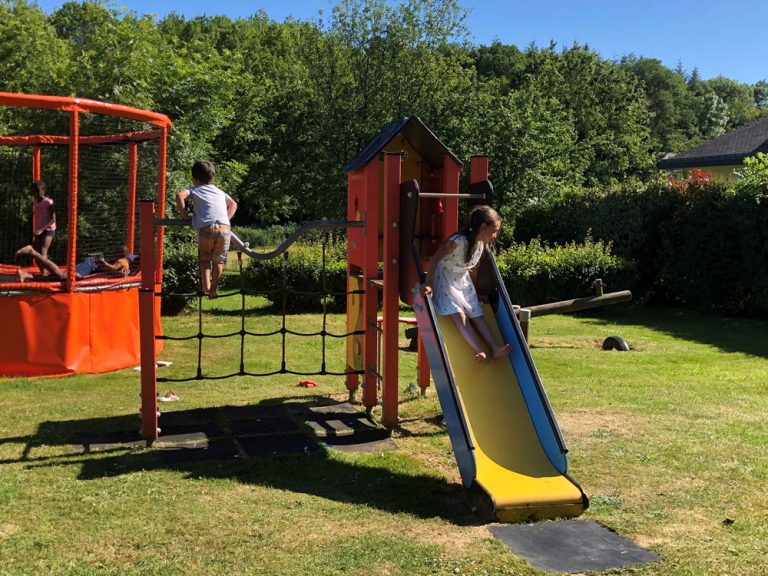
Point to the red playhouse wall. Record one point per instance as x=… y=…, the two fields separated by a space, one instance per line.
x=66 y=333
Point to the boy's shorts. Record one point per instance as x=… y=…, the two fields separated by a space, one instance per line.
x=213 y=243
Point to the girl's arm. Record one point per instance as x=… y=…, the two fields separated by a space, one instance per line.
x=445 y=248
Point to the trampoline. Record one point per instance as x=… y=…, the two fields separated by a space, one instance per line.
x=97 y=160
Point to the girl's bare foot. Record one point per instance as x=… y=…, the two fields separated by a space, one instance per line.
x=481 y=358
x=502 y=351
x=23 y=276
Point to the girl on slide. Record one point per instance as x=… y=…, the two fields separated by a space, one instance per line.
x=449 y=280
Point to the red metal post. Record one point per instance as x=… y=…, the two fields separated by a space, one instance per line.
x=147 y=322
x=450 y=185
x=74 y=152
x=133 y=155
x=478 y=169
x=36 y=171
x=370 y=203
x=161 y=176
x=36 y=162
x=391 y=296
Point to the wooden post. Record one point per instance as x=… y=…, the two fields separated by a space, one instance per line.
x=391 y=268
x=524 y=317
x=370 y=203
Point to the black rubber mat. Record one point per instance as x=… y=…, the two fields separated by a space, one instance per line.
x=259 y=446
x=571 y=545
x=215 y=450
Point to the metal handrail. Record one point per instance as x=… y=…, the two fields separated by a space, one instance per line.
x=240 y=246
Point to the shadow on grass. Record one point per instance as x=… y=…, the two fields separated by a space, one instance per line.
x=744 y=335
x=272 y=444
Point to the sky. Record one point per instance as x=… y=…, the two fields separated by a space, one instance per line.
x=717 y=38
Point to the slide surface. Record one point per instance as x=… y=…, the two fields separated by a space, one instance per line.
x=505 y=438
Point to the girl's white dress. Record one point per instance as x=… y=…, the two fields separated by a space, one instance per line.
x=452 y=288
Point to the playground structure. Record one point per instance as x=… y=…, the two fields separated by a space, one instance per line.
x=508 y=446
x=97 y=158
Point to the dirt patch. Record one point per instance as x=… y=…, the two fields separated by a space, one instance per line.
x=576 y=343
x=8 y=529
x=584 y=423
x=455 y=540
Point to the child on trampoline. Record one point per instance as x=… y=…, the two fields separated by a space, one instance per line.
x=43 y=220
x=213 y=209
x=449 y=280
x=121 y=266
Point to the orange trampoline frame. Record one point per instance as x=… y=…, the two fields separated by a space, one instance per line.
x=90 y=325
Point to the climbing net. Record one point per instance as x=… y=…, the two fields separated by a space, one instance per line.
x=325 y=295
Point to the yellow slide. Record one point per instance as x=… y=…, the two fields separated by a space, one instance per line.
x=514 y=475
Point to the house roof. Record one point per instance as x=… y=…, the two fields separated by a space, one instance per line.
x=415 y=132
x=725 y=150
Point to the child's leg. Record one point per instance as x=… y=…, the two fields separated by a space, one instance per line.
x=218 y=268
x=468 y=333
x=43 y=263
x=205 y=255
x=43 y=244
x=220 y=249
x=485 y=331
x=205 y=275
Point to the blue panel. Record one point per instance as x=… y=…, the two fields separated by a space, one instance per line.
x=530 y=388
x=429 y=333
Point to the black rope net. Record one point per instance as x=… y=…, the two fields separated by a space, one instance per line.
x=251 y=361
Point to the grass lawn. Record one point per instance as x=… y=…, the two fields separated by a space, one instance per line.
x=669 y=441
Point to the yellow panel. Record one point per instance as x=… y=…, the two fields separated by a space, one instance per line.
x=411 y=166
x=512 y=466
x=354 y=324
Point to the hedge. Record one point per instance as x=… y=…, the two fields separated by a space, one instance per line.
x=696 y=241
x=534 y=273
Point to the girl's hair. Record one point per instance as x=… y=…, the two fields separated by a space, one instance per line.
x=38 y=186
x=478 y=216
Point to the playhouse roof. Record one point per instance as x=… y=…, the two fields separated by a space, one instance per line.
x=726 y=150
x=415 y=132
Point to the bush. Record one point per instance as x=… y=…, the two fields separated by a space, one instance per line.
x=268 y=237
x=536 y=273
x=696 y=241
x=180 y=271
x=300 y=277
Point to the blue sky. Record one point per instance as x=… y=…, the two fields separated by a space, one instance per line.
x=718 y=38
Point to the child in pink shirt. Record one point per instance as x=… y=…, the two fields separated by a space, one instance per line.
x=44 y=220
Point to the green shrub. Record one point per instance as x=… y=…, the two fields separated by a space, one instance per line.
x=536 y=273
x=695 y=241
x=300 y=278
x=180 y=270
x=268 y=237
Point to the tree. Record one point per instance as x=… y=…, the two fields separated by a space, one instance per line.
x=738 y=99
x=673 y=123
x=32 y=58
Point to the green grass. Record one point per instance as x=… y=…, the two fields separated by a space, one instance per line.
x=668 y=440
